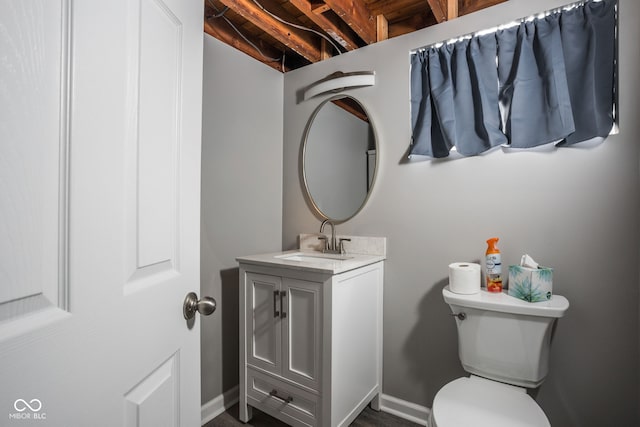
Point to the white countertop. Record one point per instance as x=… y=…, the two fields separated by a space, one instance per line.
x=312 y=261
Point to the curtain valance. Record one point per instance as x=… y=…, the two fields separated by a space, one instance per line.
x=545 y=80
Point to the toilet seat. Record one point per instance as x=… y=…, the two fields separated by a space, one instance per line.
x=479 y=402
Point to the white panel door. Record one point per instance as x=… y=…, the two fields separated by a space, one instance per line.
x=100 y=126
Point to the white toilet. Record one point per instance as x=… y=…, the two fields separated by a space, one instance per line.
x=503 y=342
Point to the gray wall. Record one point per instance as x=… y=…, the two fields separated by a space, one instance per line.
x=241 y=193
x=575 y=209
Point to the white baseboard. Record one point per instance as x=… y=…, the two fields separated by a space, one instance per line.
x=403 y=409
x=219 y=404
x=392 y=405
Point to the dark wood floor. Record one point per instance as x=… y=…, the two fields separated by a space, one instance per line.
x=367 y=418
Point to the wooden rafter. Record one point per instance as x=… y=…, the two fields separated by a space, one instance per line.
x=444 y=10
x=409 y=25
x=297 y=40
x=470 y=6
x=350 y=23
x=392 y=9
x=357 y=15
x=437 y=10
x=452 y=9
x=334 y=29
x=223 y=32
x=382 y=28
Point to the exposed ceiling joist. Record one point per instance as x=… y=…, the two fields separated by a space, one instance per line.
x=351 y=24
x=297 y=40
x=452 y=9
x=382 y=28
x=335 y=28
x=444 y=10
x=357 y=15
x=223 y=32
x=470 y=6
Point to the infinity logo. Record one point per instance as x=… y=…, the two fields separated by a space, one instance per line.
x=21 y=405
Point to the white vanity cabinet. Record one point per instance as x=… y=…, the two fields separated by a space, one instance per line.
x=311 y=338
x=284 y=327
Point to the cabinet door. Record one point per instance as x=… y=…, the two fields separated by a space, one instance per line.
x=264 y=335
x=302 y=331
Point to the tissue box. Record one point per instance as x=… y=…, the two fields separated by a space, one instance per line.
x=530 y=284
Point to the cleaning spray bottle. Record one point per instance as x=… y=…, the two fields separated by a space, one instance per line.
x=494 y=266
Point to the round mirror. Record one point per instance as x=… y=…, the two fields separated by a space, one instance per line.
x=339 y=158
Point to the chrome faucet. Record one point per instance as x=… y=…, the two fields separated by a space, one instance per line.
x=332 y=246
x=329 y=245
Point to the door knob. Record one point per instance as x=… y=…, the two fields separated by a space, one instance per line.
x=204 y=306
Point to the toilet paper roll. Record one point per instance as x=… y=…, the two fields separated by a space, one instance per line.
x=464 y=277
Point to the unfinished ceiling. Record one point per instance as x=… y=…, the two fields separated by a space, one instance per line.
x=289 y=34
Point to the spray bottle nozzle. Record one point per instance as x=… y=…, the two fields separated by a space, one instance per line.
x=492 y=245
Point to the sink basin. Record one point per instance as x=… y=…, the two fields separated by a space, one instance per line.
x=317 y=258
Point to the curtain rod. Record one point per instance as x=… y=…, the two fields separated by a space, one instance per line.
x=513 y=23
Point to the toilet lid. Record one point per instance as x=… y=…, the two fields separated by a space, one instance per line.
x=479 y=402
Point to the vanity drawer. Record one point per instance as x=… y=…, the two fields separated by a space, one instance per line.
x=290 y=403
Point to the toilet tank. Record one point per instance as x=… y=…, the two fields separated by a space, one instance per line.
x=504 y=338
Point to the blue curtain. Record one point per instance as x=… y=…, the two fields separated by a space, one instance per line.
x=588 y=42
x=454 y=98
x=545 y=80
x=534 y=96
